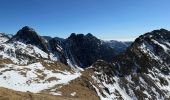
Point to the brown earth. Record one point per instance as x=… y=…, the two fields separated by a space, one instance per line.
x=5 y=61
x=82 y=87
x=7 y=94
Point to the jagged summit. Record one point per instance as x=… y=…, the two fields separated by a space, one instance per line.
x=142 y=71
x=155 y=34
x=88 y=35
x=148 y=51
x=27 y=28
x=86 y=49
x=28 y=35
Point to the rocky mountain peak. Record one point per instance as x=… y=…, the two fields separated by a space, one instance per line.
x=76 y=37
x=73 y=35
x=161 y=34
x=147 y=52
x=28 y=35
x=88 y=36
x=86 y=49
x=27 y=28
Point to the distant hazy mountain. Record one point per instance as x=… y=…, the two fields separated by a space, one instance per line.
x=118 y=46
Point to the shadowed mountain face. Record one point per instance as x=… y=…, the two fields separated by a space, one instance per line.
x=28 y=35
x=141 y=72
x=83 y=50
x=86 y=49
x=77 y=50
x=150 y=50
x=118 y=46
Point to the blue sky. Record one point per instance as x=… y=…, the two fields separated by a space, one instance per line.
x=106 y=19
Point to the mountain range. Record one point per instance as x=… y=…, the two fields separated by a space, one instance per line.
x=83 y=67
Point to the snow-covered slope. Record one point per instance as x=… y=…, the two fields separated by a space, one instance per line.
x=132 y=87
x=141 y=73
x=28 y=35
x=26 y=66
x=4 y=37
x=30 y=69
x=33 y=78
x=23 y=54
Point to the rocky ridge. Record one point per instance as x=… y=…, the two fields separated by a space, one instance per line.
x=95 y=71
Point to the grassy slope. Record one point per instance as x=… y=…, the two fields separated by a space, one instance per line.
x=7 y=94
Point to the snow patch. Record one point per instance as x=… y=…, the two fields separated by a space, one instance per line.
x=33 y=78
x=15 y=51
x=73 y=94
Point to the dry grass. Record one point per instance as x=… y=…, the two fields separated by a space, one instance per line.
x=7 y=94
x=5 y=61
x=81 y=87
x=55 y=65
